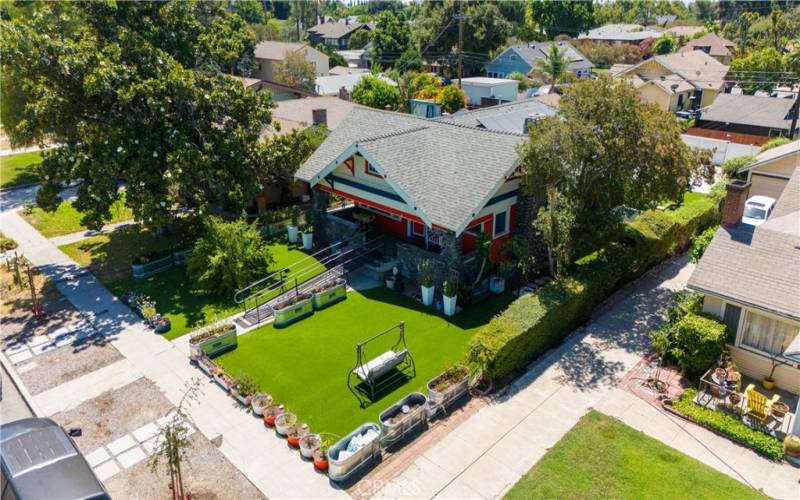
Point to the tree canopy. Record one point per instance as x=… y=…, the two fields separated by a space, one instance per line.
x=570 y=17
x=374 y=92
x=390 y=38
x=451 y=98
x=758 y=70
x=358 y=39
x=605 y=150
x=134 y=92
x=296 y=71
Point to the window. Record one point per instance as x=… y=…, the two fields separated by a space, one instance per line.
x=369 y=169
x=500 y=223
x=475 y=230
x=680 y=101
x=766 y=334
x=731 y=319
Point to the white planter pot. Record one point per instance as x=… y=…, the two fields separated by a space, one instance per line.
x=308 y=240
x=390 y=282
x=427 y=295
x=449 y=305
x=497 y=284
x=292 y=233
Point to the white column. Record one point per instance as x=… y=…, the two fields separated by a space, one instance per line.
x=796 y=423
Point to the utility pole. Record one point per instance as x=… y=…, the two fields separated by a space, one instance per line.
x=460 y=42
x=795 y=112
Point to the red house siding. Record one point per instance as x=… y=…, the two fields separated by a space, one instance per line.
x=389 y=225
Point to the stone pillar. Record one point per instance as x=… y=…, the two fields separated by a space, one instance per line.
x=452 y=250
x=319 y=208
x=735 y=197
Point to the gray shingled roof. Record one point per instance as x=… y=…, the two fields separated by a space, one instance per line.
x=535 y=51
x=759 y=267
x=508 y=117
x=770 y=112
x=448 y=171
x=336 y=29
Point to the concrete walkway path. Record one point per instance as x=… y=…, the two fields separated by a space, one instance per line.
x=66 y=239
x=265 y=459
x=488 y=453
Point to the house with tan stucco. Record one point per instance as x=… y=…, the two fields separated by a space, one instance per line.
x=771 y=171
x=269 y=55
x=676 y=82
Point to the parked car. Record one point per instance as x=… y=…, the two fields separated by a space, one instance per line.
x=757 y=209
x=39 y=460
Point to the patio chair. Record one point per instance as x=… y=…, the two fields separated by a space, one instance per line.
x=759 y=407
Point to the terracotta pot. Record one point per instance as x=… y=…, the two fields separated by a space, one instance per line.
x=780 y=409
x=320 y=463
x=293 y=440
x=269 y=420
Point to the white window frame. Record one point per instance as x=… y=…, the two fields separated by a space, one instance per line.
x=754 y=350
x=495 y=234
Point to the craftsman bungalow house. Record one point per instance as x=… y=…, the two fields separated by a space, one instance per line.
x=431 y=186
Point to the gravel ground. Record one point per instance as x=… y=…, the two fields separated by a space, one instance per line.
x=207 y=475
x=20 y=324
x=61 y=365
x=115 y=413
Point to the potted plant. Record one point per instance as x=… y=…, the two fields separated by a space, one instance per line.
x=735 y=398
x=213 y=340
x=296 y=432
x=308 y=237
x=244 y=388
x=161 y=324
x=284 y=422
x=206 y=365
x=768 y=382
x=427 y=273
x=447 y=387
x=791 y=446
x=391 y=279
x=321 y=455
x=259 y=403
x=294 y=226
x=271 y=413
x=780 y=409
x=309 y=444
x=449 y=296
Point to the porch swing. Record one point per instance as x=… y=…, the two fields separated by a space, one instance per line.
x=370 y=377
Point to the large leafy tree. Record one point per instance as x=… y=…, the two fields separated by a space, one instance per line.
x=374 y=92
x=280 y=156
x=134 y=92
x=296 y=71
x=570 y=17
x=451 y=98
x=389 y=39
x=251 y=11
x=605 y=150
x=758 y=70
x=358 y=39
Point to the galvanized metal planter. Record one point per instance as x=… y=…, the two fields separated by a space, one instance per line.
x=295 y=312
x=343 y=464
x=152 y=267
x=211 y=346
x=331 y=295
x=179 y=257
x=402 y=418
x=442 y=400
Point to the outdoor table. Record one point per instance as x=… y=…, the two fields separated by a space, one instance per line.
x=709 y=385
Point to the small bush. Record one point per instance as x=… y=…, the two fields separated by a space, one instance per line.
x=774 y=143
x=6 y=243
x=701 y=242
x=693 y=343
x=730 y=426
x=731 y=167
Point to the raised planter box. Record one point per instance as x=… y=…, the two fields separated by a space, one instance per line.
x=331 y=295
x=206 y=344
x=297 y=309
x=152 y=267
x=344 y=463
x=179 y=257
x=443 y=399
x=403 y=417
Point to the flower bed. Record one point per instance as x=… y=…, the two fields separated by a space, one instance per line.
x=447 y=388
x=330 y=294
x=213 y=341
x=294 y=309
x=728 y=425
x=146 y=309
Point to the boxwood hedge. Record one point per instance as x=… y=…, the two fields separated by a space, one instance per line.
x=536 y=322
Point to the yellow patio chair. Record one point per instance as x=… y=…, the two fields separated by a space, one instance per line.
x=758 y=406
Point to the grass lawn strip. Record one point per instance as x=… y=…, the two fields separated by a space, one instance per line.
x=66 y=219
x=603 y=458
x=305 y=365
x=19 y=169
x=109 y=257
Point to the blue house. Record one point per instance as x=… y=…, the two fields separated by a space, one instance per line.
x=522 y=58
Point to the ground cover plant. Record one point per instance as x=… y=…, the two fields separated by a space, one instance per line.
x=603 y=458
x=19 y=169
x=304 y=366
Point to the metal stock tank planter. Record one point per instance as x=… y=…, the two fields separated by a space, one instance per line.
x=293 y=309
x=330 y=293
x=213 y=341
x=354 y=452
x=447 y=388
x=144 y=266
x=402 y=418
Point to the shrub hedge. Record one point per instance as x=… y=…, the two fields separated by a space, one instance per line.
x=729 y=425
x=536 y=322
x=694 y=343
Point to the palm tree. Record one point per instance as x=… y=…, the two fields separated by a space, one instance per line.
x=554 y=66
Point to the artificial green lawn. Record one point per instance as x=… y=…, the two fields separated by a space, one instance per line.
x=19 y=169
x=305 y=365
x=109 y=257
x=603 y=458
x=66 y=219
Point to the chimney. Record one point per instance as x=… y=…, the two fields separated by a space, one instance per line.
x=343 y=93
x=319 y=117
x=736 y=196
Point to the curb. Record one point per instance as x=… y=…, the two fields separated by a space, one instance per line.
x=26 y=396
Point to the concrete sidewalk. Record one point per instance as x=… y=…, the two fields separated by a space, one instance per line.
x=487 y=454
x=66 y=239
x=265 y=459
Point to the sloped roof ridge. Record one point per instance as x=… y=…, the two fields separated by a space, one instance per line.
x=438 y=121
x=392 y=134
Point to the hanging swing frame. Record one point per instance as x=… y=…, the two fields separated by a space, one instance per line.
x=371 y=376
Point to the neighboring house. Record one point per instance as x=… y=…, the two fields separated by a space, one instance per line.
x=714 y=45
x=342 y=70
x=332 y=85
x=721 y=150
x=514 y=117
x=522 y=58
x=269 y=55
x=307 y=112
x=483 y=91
x=746 y=119
x=620 y=33
x=751 y=278
x=676 y=82
x=335 y=34
x=773 y=168
x=432 y=186
x=250 y=83
x=355 y=58
x=684 y=32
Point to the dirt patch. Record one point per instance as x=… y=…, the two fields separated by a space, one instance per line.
x=115 y=413
x=61 y=365
x=207 y=474
x=15 y=292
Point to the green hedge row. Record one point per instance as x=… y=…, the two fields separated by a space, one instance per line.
x=730 y=426
x=536 y=322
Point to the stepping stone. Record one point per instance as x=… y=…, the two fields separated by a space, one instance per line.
x=15 y=348
x=41 y=349
x=61 y=331
x=145 y=432
x=106 y=470
x=97 y=457
x=164 y=420
x=126 y=442
x=65 y=340
x=38 y=340
x=150 y=445
x=131 y=457
x=20 y=356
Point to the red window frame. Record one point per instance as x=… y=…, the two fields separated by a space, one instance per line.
x=373 y=174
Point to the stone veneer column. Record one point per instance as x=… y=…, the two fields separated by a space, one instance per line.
x=319 y=208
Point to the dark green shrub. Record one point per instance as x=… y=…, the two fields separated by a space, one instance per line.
x=693 y=343
x=730 y=426
x=701 y=242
